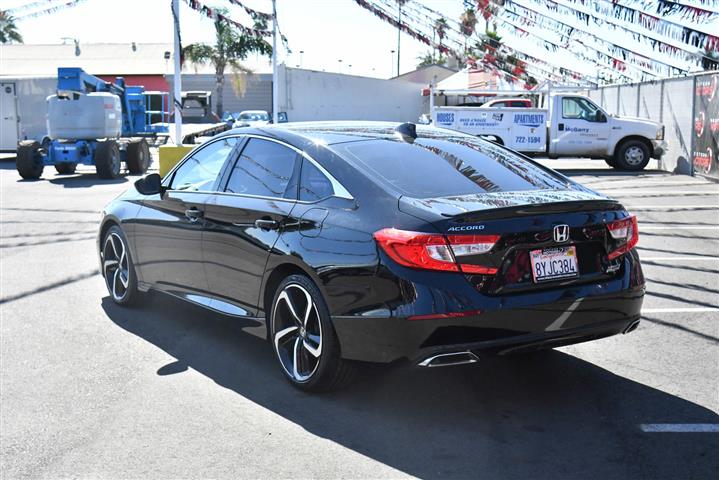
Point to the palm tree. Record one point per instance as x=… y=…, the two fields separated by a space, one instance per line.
x=8 y=30
x=230 y=49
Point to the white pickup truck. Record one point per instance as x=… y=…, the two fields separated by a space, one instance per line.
x=573 y=126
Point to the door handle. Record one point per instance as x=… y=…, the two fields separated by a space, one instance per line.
x=193 y=214
x=267 y=224
x=560 y=127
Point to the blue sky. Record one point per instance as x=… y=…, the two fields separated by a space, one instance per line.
x=326 y=30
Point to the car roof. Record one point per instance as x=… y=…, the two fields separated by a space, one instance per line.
x=333 y=132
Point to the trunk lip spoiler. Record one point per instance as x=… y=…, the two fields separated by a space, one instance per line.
x=523 y=209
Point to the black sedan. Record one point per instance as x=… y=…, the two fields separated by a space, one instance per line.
x=346 y=242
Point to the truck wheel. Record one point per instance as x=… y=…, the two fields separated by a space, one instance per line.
x=107 y=160
x=611 y=162
x=632 y=155
x=65 y=168
x=29 y=160
x=138 y=156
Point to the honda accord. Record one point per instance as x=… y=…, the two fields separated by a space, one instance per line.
x=377 y=242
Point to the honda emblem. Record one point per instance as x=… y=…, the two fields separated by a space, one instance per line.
x=561 y=233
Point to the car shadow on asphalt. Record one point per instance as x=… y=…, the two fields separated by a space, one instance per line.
x=548 y=415
x=84 y=180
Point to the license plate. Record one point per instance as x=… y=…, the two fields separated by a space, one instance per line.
x=554 y=263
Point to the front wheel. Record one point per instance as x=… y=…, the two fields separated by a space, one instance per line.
x=118 y=269
x=29 y=162
x=632 y=155
x=303 y=338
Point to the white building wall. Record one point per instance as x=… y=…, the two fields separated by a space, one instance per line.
x=308 y=95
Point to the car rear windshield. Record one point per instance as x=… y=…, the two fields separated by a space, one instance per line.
x=441 y=167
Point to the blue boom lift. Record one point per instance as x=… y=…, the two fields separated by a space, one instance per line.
x=125 y=115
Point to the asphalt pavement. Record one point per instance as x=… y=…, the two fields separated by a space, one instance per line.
x=92 y=390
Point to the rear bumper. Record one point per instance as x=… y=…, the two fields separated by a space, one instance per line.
x=498 y=325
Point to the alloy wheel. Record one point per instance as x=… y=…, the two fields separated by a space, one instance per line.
x=116 y=266
x=634 y=156
x=297 y=332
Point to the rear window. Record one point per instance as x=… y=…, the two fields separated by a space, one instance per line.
x=445 y=167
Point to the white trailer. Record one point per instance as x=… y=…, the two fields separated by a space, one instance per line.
x=572 y=126
x=23 y=109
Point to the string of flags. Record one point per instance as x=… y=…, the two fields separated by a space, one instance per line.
x=47 y=10
x=214 y=13
x=253 y=13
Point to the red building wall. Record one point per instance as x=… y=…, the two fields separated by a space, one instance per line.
x=150 y=82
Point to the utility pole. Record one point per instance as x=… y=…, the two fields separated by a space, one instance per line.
x=177 y=79
x=275 y=89
x=399 y=31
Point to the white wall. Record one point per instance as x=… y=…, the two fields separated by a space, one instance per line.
x=308 y=95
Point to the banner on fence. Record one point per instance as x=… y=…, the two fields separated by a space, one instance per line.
x=706 y=125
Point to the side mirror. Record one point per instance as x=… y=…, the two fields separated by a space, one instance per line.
x=149 y=185
x=282 y=117
x=600 y=117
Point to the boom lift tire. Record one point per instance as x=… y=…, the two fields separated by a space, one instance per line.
x=138 y=156
x=107 y=160
x=29 y=161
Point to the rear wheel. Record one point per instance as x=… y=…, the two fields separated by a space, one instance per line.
x=107 y=160
x=303 y=338
x=138 y=156
x=65 y=168
x=118 y=269
x=632 y=155
x=29 y=160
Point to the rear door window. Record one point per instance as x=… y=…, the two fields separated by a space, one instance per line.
x=264 y=169
x=434 y=167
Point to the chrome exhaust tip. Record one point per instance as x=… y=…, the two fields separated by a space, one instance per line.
x=449 y=359
x=632 y=326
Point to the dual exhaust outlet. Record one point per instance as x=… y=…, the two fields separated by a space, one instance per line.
x=462 y=358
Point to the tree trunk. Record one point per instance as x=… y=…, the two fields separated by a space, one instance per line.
x=220 y=84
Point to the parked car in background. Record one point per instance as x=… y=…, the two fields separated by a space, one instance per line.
x=252 y=118
x=508 y=103
x=346 y=241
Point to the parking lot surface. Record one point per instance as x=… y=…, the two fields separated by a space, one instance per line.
x=92 y=390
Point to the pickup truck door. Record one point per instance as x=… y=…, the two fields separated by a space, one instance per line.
x=579 y=128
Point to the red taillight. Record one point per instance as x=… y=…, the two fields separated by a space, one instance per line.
x=435 y=252
x=625 y=234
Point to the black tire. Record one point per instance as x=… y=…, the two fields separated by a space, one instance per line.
x=632 y=155
x=322 y=371
x=29 y=160
x=121 y=286
x=138 y=157
x=611 y=162
x=65 y=168
x=107 y=160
